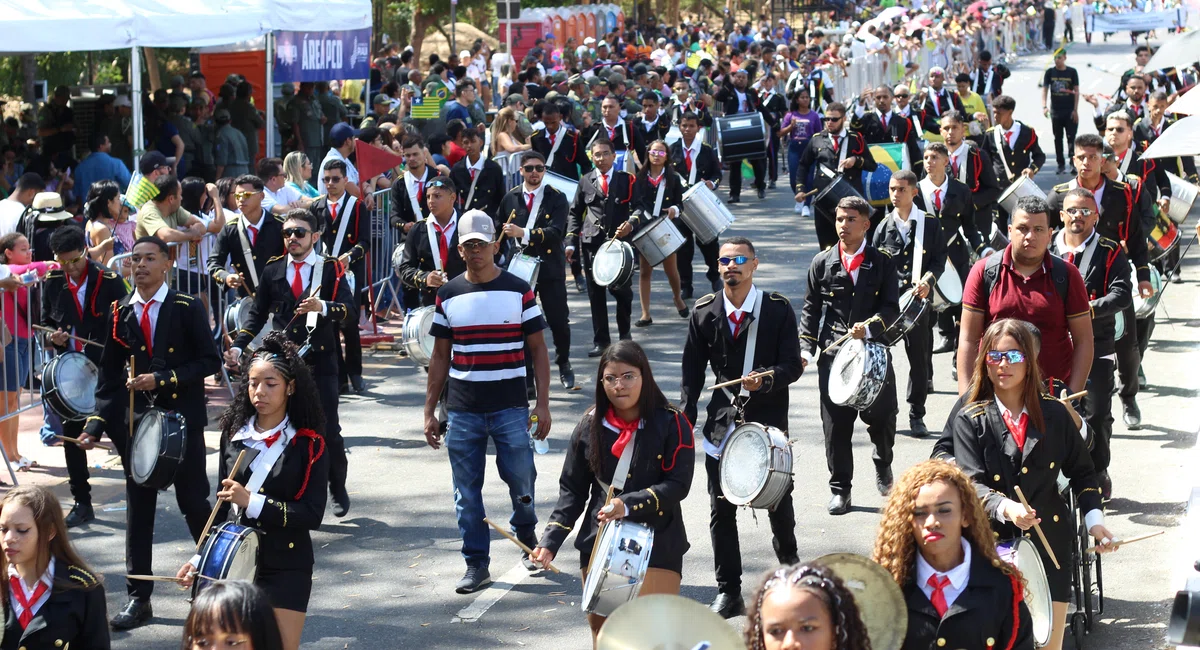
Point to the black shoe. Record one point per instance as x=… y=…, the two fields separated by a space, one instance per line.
x=1143 y=383
x=787 y=559
x=762 y=194
x=1133 y=415
x=917 y=427
x=770 y=185
x=1072 y=171
x=839 y=504
x=954 y=372
x=1176 y=278
x=580 y=285
x=473 y=580
x=531 y=542
x=685 y=293
x=356 y=383
x=728 y=605
x=136 y=613
x=1060 y=170
x=344 y=389
x=80 y=514
x=643 y=322
x=943 y=344
x=341 y=501
x=596 y=350
x=883 y=480
x=1105 y=485
x=734 y=199
x=567 y=377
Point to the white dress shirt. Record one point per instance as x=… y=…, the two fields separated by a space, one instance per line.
x=257 y=440
x=959 y=576
x=305 y=274
x=139 y=304
x=905 y=226
x=746 y=308
x=1012 y=133
x=47 y=579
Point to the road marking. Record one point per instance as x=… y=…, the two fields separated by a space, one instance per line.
x=492 y=595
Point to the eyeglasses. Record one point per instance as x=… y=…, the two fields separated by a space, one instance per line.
x=994 y=357
x=622 y=380
x=740 y=259
x=1080 y=212
x=77 y=260
x=474 y=244
x=657 y=154
x=244 y=195
x=331 y=179
x=529 y=169
x=601 y=154
x=1117 y=129
x=295 y=232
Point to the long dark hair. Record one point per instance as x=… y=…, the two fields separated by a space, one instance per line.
x=99 y=194
x=53 y=540
x=304 y=406
x=667 y=169
x=193 y=194
x=849 y=630
x=234 y=606
x=981 y=388
x=650 y=400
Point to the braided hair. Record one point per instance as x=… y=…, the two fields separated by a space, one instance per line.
x=849 y=630
x=304 y=406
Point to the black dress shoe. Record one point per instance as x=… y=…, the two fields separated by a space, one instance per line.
x=839 y=504
x=770 y=185
x=929 y=385
x=80 y=514
x=734 y=199
x=473 y=580
x=1133 y=415
x=787 y=559
x=136 y=613
x=344 y=389
x=685 y=293
x=943 y=344
x=883 y=480
x=580 y=285
x=728 y=605
x=917 y=427
x=762 y=194
x=1105 y=485
x=596 y=350
x=567 y=376
x=643 y=322
x=1060 y=170
x=341 y=501
x=356 y=382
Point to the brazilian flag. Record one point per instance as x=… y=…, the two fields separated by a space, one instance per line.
x=892 y=157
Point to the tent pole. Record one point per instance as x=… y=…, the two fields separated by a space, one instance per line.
x=269 y=106
x=135 y=78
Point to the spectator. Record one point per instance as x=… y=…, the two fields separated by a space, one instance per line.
x=231 y=152
x=283 y=120
x=439 y=148
x=200 y=92
x=380 y=106
x=455 y=152
x=17 y=204
x=206 y=137
x=101 y=209
x=298 y=169
x=204 y=202
x=99 y=165
x=504 y=133
x=459 y=109
x=164 y=216
x=56 y=124
x=307 y=119
x=120 y=131
x=245 y=118
x=56 y=180
x=151 y=167
x=188 y=132
x=343 y=138
x=278 y=198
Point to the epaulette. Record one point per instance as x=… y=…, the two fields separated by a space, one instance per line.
x=1119 y=185
x=184 y=298
x=706 y=299
x=1105 y=242
x=54 y=274
x=774 y=295
x=884 y=253
x=111 y=275
x=83 y=577
x=279 y=217
x=975 y=408
x=277 y=257
x=1062 y=187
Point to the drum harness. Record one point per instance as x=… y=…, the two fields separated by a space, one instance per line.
x=247 y=254
x=747 y=367
x=559 y=136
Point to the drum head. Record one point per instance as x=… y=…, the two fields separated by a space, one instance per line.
x=597 y=568
x=847 y=370
x=1022 y=554
x=424 y=324
x=744 y=464
x=243 y=563
x=146 y=447
x=950 y=285
x=609 y=262
x=76 y=377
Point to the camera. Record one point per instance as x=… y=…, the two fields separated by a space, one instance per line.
x=1184 y=626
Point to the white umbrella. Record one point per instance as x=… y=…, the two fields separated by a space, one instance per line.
x=1177 y=52
x=1188 y=103
x=1180 y=139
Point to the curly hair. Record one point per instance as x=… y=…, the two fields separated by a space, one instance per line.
x=849 y=629
x=304 y=407
x=895 y=546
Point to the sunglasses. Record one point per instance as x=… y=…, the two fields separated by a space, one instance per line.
x=243 y=195
x=1080 y=212
x=474 y=244
x=832 y=119
x=298 y=233
x=331 y=179
x=529 y=169
x=902 y=96
x=442 y=184
x=994 y=357
x=657 y=153
x=739 y=259
x=70 y=262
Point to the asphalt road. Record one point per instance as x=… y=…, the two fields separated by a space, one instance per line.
x=385 y=573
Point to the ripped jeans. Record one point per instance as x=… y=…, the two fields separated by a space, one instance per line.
x=467 y=436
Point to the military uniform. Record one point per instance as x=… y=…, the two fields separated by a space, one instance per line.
x=417 y=259
x=283 y=122
x=74 y=616
x=706 y=167
x=570 y=160
x=231 y=152
x=595 y=217
x=305 y=113
x=1009 y=159
x=973 y=167
x=334 y=111
x=483 y=184
x=356 y=243
x=826 y=149
x=264 y=245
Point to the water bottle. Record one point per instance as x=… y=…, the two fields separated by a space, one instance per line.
x=539 y=446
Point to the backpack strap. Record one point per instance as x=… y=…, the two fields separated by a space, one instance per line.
x=1058 y=272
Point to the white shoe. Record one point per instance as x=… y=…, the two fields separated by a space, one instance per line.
x=799 y=208
x=21 y=464
x=806 y=212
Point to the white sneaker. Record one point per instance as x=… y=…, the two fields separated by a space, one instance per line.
x=806 y=212
x=799 y=208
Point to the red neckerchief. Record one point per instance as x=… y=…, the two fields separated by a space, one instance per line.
x=655 y=181
x=626 y=431
x=851 y=262
x=18 y=592
x=1017 y=427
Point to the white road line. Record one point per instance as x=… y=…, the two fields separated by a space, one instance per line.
x=492 y=595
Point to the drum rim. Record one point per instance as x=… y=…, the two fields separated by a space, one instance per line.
x=761 y=431
x=160 y=477
x=1034 y=579
x=52 y=392
x=588 y=604
x=846 y=345
x=626 y=267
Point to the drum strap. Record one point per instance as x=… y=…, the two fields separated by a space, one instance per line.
x=409 y=181
x=662 y=186
x=918 y=246
x=751 y=343
x=1085 y=263
x=474 y=182
x=695 y=162
x=998 y=134
x=537 y=206
x=623 y=463
x=344 y=217
x=1126 y=161
x=314 y=286
x=247 y=253
x=558 y=140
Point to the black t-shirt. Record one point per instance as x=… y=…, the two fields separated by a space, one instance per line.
x=1063 y=85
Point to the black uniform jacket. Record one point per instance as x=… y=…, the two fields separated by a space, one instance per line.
x=820 y=151
x=726 y=95
x=645 y=195
x=980 y=177
x=358 y=231
x=295 y=491
x=401 y=210
x=981 y=618
x=660 y=476
x=571 y=158
x=416 y=261
x=1109 y=289
x=1025 y=153
x=987 y=452
x=958 y=212
x=184 y=354
x=276 y=301
x=74 y=616
x=898 y=128
x=595 y=216
x=774 y=106
x=1143 y=134
x=490 y=186
x=545 y=238
x=708 y=167
x=657 y=131
x=945 y=100
x=625 y=137
x=933 y=260
x=710 y=343
x=60 y=309
x=834 y=302
x=1120 y=219
x=1135 y=111
x=228 y=247
x=694 y=105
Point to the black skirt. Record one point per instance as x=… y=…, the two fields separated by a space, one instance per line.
x=286 y=588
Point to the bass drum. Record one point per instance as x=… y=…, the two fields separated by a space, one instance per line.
x=157 y=448
x=756 y=466
x=418 y=342
x=741 y=137
x=230 y=553
x=612 y=266
x=618 y=567
x=69 y=386
x=828 y=198
x=858 y=373
x=1022 y=554
x=704 y=213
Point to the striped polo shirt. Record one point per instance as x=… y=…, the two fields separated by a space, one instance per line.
x=487 y=324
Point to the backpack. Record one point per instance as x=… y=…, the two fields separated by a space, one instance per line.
x=1058 y=271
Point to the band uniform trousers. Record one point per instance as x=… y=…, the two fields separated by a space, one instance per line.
x=327 y=391
x=837 y=423
x=722 y=527
x=552 y=294
x=773 y=156
x=1129 y=357
x=1097 y=409
x=599 y=302
x=77 y=465
x=350 y=361
x=735 y=176
x=918 y=346
x=1063 y=124
x=687 y=253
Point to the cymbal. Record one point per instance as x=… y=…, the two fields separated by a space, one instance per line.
x=667 y=622
x=880 y=601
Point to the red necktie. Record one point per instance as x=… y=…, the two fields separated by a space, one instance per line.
x=736 y=318
x=688 y=159
x=612 y=133
x=1070 y=258
x=604 y=184
x=420 y=191
x=837 y=142
x=443 y=245
x=270 y=440
x=1009 y=136
x=529 y=202
x=887 y=117
x=18 y=592
x=297 y=280
x=1016 y=428
x=954 y=164
x=938 y=598
x=147 y=332
x=254 y=234
x=552 y=136
x=851 y=263
x=937 y=200
x=333 y=211
x=626 y=429
x=473 y=170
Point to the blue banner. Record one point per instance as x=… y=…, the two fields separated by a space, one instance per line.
x=322 y=56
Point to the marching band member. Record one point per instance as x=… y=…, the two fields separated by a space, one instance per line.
x=165 y=335
x=884 y=124
x=1102 y=263
x=1041 y=439
x=76 y=300
x=841 y=151
x=538 y=229
x=479 y=179
x=804 y=606
x=639 y=430
x=651 y=123
x=658 y=192
x=936 y=542
x=51 y=597
x=736 y=97
x=1013 y=148
x=738 y=332
x=430 y=258
x=310 y=313
x=773 y=107
x=971 y=166
x=561 y=147
x=1134 y=104
x=1150 y=126
x=682 y=103
x=247 y=241
x=276 y=420
x=853 y=288
x=696 y=162
x=621 y=135
x=231 y=614
x=913 y=118
x=601 y=211
x=915 y=242
x=936 y=101
x=408 y=197
x=1118 y=134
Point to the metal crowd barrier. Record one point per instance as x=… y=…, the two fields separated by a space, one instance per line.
x=383 y=279
x=19 y=396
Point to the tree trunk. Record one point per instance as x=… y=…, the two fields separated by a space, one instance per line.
x=28 y=76
x=420 y=24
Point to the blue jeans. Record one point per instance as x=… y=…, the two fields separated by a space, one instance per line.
x=467 y=436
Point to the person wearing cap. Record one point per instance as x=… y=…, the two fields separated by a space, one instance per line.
x=342 y=138
x=152 y=166
x=485 y=392
x=120 y=130
x=188 y=133
x=307 y=119
x=380 y=107
x=56 y=124
x=245 y=118
x=736 y=97
x=231 y=152
x=936 y=100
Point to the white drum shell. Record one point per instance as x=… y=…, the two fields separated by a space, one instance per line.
x=754 y=447
x=618 y=568
x=658 y=240
x=858 y=373
x=1022 y=554
x=1183 y=195
x=947 y=292
x=1021 y=187
x=525 y=267
x=704 y=213
x=418 y=342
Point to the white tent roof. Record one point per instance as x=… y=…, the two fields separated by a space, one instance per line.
x=316 y=15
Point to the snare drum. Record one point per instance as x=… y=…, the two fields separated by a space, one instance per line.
x=1022 y=554
x=947 y=292
x=525 y=267
x=912 y=309
x=1183 y=195
x=741 y=137
x=858 y=373
x=828 y=198
x=618 y=568
x=658 y=240
x=69 y=386
x=157 y=448
x=418 y=342
x=562 y=184
x=1165 y=236
x=230 y=553
x=704 y=213
x=756 y=466
x=1145 y=307
x=1021 y=187
x=237 y=318
x=612 y=265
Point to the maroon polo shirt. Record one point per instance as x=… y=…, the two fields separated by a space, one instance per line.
x=1033 y=299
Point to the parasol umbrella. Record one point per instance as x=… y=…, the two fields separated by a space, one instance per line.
x=1180 y=139
x=1187 y=104
x=920 y=22
x=884 y=16
x=977 y=8
x=1178 y=52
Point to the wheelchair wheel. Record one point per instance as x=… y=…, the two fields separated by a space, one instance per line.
x=1078 y=629
x=1086 y=560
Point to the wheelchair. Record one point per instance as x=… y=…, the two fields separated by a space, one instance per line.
x=1087 y=576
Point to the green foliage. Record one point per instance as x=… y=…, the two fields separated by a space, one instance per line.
x=70 y=68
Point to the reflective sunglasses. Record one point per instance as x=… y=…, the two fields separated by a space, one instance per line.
x=295 y=232
x=245 y=195
x=529 y=169
x=77 y=260
x=740 y=259
x=1080 y=212
x=994 y=357
x=331 y=179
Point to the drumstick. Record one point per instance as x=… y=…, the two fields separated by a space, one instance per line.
x=80 y=442
x=1075 y=396
x=600 y=531
x=518 y=542
x=511 y=216
x=753 y=375
x=1038 y=529
x=1119 y=544
x=808 y=194
x=237 y=464
x=156 y=578
x=42 y=328
x=848 y=334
